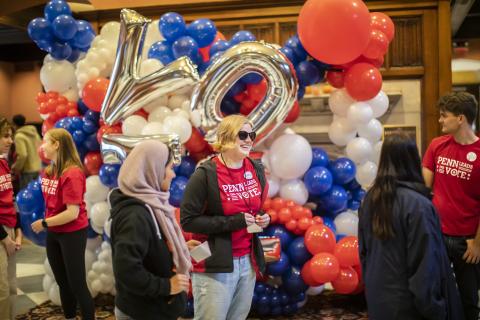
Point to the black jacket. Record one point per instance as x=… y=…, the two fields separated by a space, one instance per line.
x=201 y=213
x=142 y=263
x=408 y=276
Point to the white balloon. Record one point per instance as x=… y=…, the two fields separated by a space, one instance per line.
x=97 y=285
x=54 y=294
x=159 y=114
x=93 y=73
x=266 y=162
x=181 y=113
x=97 y=267
x=106 y=280
x=94 y=243
x=48 y=58
x=346 y=223
x=105 y=256
x=366 y=173
x=359 y=150
x=110 y=31
x=176 y=101
x=48 y=269
x=133 y=125
x=89 y=259
x=178 y=125
x=379 y=104
x=290 y=156
x=186 y=106
x=96 y=190
x=359 y=113
x=92 y=275
x=187 y=90
x=71 y=94
x=96 y=228
x=372 y=131
x=162 y=101
x=196 y=118
x=341 y=132
x=47 y=283
x=377 y=149
x=149 y=66
x=315 y=291
x=153 y=128
x=339 y=101
x=273 y=186
x=100 y=213
x=106 y=246
x=58 y=75
x=294 y=190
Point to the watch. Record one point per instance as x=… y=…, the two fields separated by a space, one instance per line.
x=44 y=224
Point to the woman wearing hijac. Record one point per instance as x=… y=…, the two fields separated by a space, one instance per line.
x=63 y=187
x=222 y=199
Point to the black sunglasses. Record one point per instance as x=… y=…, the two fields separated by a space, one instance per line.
x=242 y=135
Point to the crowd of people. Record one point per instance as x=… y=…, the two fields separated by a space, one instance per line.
x=419 y=231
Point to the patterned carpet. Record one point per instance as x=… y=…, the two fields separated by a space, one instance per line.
x=327 y=306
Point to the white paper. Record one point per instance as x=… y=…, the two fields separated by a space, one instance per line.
x=254 y=228
x=201 y=252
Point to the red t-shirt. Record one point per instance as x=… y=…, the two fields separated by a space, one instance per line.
x=456 y=184
x=8 y=216
x=69 y=189
x=240 y=191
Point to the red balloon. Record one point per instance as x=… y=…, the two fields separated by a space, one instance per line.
x=285 y=215
x=377 y=46
x=196 y=143
x=307 y=276
x=92 y=163
x=362 y=59
x=47 y=125
x=94 y=92
x=290 y=204
x=73 y=113
x=219 y=36
x=293 y=114
x=245 y=110
x=334 y=31
x=304 y=224
x=61 y=110
x=277 y=204
x=291 y=225
x=298 y=212
x=319 y=238
x=104 y=129
x=71 y=105
x=53 y=117
x=380 y=21
x=240 y=97
x=62 y=100
x=346 y=251
x=324 y=267
x=346 y=282
x=307 y=213
x=317 y=220
x=361 y=285
x=257 y=91
x=336 y=78
x=41 y=97
x=52 y=95
x=142 y=113
x=273 y=215
x=43 y=108
x=363 y=81
x=205 y=53
x=266 y=204
x=52 y=105
x=197 y=156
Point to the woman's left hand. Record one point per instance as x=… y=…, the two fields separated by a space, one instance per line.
x=37 y=226
x=191 y=244
x=262 y=220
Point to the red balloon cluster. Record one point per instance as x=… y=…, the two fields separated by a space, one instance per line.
x=53 y=107
x=338 y=263
x=197 y=146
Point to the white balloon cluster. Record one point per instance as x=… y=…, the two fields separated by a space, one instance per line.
x=100 y=278
x=356 y=127
x=59 y=76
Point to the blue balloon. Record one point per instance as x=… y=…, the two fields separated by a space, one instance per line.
x=92 y=116
x=318 y=180
x=300 y=92
x=108 y=174
x=358 y=194
x=77 y=123
x=336 y=198
x=89 y=126
x=259 y=287
x=35 y=187
x=45 y=45
x=172 y=26
x=288 y=52
x=263 y=300
x=353 y=205
x=283 y=234
x=203 y=31
x=343 y=170
x=252 y=78
x=298 y=253
x=329 y=223
x=82 y=107
x=40 y=29
x=352 y=185
x=242 y=36
x=319 y=158
x=26 y=219
x=216 y=56
x=79 y=136
x=262 y=310
x=60 y=51
x=219 y=45
x=185 y=46
x=177 y=188
x=186 y=167
x=161 y=50
x=237 y=88
x=297 y=47
x=229 y=106
x=285 y=298
x=277 y=268
x=64 y=27
x=275 y=300
x=293 y=282
x=55 y=8
x=276 y=311
x=91 y=142
x=299 y=297
x=64 y=123
x=289 y=309
x=26 y=201
x=85 y=34
x=74 y=56
x=90 y=232
x=307 y=73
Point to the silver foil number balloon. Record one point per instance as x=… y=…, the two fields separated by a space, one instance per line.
x=236 y=62
x=128 y=92
x=116 y=147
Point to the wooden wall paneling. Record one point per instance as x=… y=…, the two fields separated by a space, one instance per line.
x=406 y=49
x=444 y=47
x=264 y=31
x=287 y=29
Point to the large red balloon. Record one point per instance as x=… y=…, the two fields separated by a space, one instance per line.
x=257 y=91
x=380 y=21
x=94 y=92
x=307 y=275
x=324 y=267
x=346 y=251
x=363 y=81
x=334 y=31
x=196 y=143
x=319 y=238
x=92 y=163
x=377 y=46
x=347 y=281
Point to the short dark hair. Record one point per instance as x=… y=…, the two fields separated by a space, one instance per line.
x=460 y=103
x=19 y=120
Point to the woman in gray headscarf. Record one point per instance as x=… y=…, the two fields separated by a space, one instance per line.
x=151 y=259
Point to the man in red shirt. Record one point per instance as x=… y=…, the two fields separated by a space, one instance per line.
x=451 y=166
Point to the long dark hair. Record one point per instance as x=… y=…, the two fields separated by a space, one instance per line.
x=399 y=161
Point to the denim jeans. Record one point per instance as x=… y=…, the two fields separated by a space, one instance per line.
x=220 y=296
x=467 y=275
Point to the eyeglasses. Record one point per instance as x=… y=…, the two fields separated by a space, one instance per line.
x=242 y=135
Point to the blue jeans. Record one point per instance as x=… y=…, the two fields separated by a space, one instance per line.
x=219 y=296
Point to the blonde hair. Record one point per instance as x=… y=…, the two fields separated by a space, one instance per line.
x=5 y=126
x=67 y=152
x=227 y=132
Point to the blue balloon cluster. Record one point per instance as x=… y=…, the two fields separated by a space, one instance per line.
x=31 y=206
x=59 y=34
x=177 y=189
x=268 y=300
x=108 y=174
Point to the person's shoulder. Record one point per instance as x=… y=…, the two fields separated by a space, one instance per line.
x=73 y=172
x=442 y=140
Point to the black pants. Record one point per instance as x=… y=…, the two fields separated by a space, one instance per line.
x=66 y=254
x=467 y=275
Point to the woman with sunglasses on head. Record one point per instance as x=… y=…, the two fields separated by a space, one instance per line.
x=66 y=222
x=222 y=199
x=151 y=261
